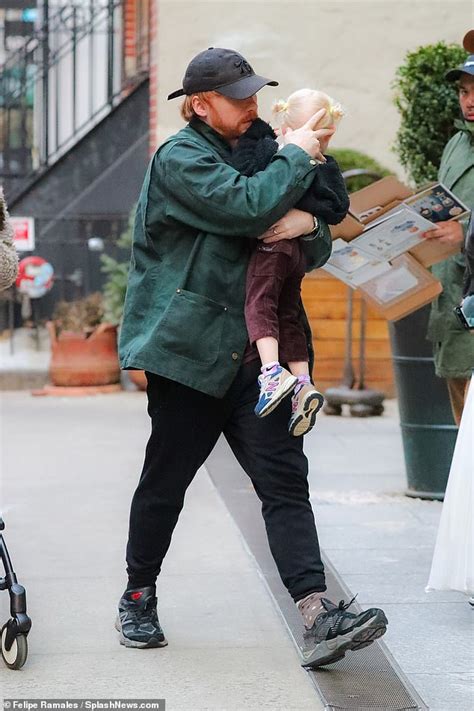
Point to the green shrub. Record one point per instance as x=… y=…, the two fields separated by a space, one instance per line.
x=428 y=106
x=349 y=159
x=115 y=287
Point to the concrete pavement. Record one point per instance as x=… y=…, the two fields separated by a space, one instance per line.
x=381 y=543
x=69 y=468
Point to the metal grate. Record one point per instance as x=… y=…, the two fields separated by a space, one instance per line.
x=369 y=680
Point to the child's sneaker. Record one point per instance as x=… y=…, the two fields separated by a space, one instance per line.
x=274 y=386
x=305 y=405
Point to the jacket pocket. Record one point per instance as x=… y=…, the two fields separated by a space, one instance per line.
x=192 y=327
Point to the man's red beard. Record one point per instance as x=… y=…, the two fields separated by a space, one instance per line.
x=230 y=133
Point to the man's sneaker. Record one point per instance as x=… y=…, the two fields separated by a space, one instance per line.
x=305 y=405
x=337 y=631
x=274 y=386
x=137 y=619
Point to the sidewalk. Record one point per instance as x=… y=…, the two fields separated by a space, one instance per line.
x=27 y=366
x=68 y=470
x=381 y=543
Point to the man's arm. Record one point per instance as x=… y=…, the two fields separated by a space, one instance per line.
x=212 y=196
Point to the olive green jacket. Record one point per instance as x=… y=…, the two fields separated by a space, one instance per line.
x=194 y=228
x=454 y=346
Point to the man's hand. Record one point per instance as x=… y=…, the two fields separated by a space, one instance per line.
x=449 y=232
x=307 y=137
x=294 y=224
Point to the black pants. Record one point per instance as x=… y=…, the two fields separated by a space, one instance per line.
x=185 y=427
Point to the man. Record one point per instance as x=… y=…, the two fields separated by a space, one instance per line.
x=453 y=346
x=184 y=325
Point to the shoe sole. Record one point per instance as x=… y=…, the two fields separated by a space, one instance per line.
x=152 y=644
x=286 y=387
x=332 y=650
x=306 y=421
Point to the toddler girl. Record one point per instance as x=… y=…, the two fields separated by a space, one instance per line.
x=273 y=310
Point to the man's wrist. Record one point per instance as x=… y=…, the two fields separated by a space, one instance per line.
x=314 y=232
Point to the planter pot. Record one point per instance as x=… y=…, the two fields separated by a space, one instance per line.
x=428 y=431
x=138 y=378
x=79 y=359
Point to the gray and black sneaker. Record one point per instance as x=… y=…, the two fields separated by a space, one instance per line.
x=137 y=619
x=337 y=631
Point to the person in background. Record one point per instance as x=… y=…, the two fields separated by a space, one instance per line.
x=453 y=347
x=452 y=567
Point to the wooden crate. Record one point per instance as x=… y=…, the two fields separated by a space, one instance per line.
x=325 y=300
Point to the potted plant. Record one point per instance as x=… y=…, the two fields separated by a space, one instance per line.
x=115 y=289
x=83 y=344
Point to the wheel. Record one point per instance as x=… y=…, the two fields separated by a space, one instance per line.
x=15 y=657
x=330 y=409
x=360 y=409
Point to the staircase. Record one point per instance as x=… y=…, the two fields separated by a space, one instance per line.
x=74 y=135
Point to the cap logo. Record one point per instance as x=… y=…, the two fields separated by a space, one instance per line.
x=244 y=66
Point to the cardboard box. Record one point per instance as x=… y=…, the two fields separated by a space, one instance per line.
x=369 y=204
x=374 y=201
x=405 y=288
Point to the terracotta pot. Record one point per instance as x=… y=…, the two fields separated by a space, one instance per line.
x=138 y=378
x=79 y=359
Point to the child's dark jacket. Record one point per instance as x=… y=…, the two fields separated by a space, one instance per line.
x=326 y=197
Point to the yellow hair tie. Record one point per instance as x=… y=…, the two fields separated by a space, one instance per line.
x=280 y=106
x=336 y=111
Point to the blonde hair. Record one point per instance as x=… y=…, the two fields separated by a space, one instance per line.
x=186 y=110
x=302 y=104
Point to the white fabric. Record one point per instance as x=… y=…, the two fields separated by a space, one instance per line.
x=453 y=560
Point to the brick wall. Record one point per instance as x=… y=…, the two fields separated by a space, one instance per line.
x=129 y=36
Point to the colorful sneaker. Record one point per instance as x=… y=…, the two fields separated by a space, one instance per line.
x=305 y=405
x=274 y=386
x=337 y=631
x=137 y=619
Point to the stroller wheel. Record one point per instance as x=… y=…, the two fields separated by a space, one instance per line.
x=15 y=657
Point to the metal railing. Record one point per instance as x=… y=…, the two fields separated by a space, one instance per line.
x=64 y=79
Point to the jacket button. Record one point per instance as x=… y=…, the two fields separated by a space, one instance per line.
x=178 y=291
x=235 y=356
x=312 y=161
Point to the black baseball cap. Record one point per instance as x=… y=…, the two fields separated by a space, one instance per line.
x=224 y=71
x=466 y=68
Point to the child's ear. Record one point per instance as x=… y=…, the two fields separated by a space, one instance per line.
x=283 y=130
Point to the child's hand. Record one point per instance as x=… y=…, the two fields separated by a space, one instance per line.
x=294 y=224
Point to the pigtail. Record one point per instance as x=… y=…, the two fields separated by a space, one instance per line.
x=336 y=111
x=280 y=111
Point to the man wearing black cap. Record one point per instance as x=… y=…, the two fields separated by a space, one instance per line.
x=453 y=346
x=184 y=325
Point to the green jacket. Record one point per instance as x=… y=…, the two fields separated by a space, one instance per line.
x=194 y=228
x=454 y=346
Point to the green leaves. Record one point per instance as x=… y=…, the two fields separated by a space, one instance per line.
x=348 y=159
x=115 y=286
x=428 y=106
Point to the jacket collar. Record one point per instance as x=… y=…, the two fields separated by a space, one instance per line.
x=211 y=136
x=467 y=127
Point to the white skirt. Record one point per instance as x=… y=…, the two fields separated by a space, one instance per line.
x=453 y=560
